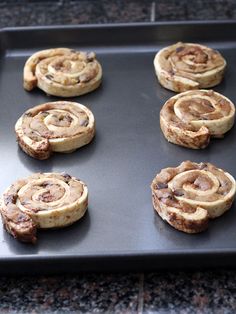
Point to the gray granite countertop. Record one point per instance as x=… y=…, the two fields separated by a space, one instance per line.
x=162 y=292
x=159 y=292
x=44 y=12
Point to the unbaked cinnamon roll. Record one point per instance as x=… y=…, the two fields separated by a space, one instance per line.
x=43 y=200
x=186 y=66
x=191 y=118
x=59 y=126
x=188 y=196
x=62 y=72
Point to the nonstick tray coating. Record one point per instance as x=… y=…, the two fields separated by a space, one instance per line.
x=120 y=231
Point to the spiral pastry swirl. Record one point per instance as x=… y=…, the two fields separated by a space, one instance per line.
x=186 y=66
x=62 y=72
x=59 y=126
x=188 y=196
x=191 y=118
x=43 y=200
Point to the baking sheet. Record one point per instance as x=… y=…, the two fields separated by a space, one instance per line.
x=120 y=231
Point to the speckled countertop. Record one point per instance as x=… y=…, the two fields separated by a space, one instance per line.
x=44 y=12
x=160 y=292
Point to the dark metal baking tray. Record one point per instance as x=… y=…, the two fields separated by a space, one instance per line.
x=121 y=231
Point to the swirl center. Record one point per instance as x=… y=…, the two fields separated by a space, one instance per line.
x=195 y=183
x=55 y=122
x=193 y=55
x=59 y=118
x=193 y=59
x=43 y=194
x=66 y=66
x=196 y=108
x=48 y=193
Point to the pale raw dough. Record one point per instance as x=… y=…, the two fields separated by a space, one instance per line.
x=189 y=195
x=59 y=126
x=191 y=118
x=186 y=66
x=43 y=200
x=62 y=72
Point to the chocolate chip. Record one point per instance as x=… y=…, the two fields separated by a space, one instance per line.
x=66 y=176
x=69 y=118
x=28 y=114
x=44 y=185
x=24 y=203
x=179 y=49
x=161 y=186
x=46 y=197
x=178 y=192
x=49 y=76
x=22 y=217
x=166 y=197
x=10 y=198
